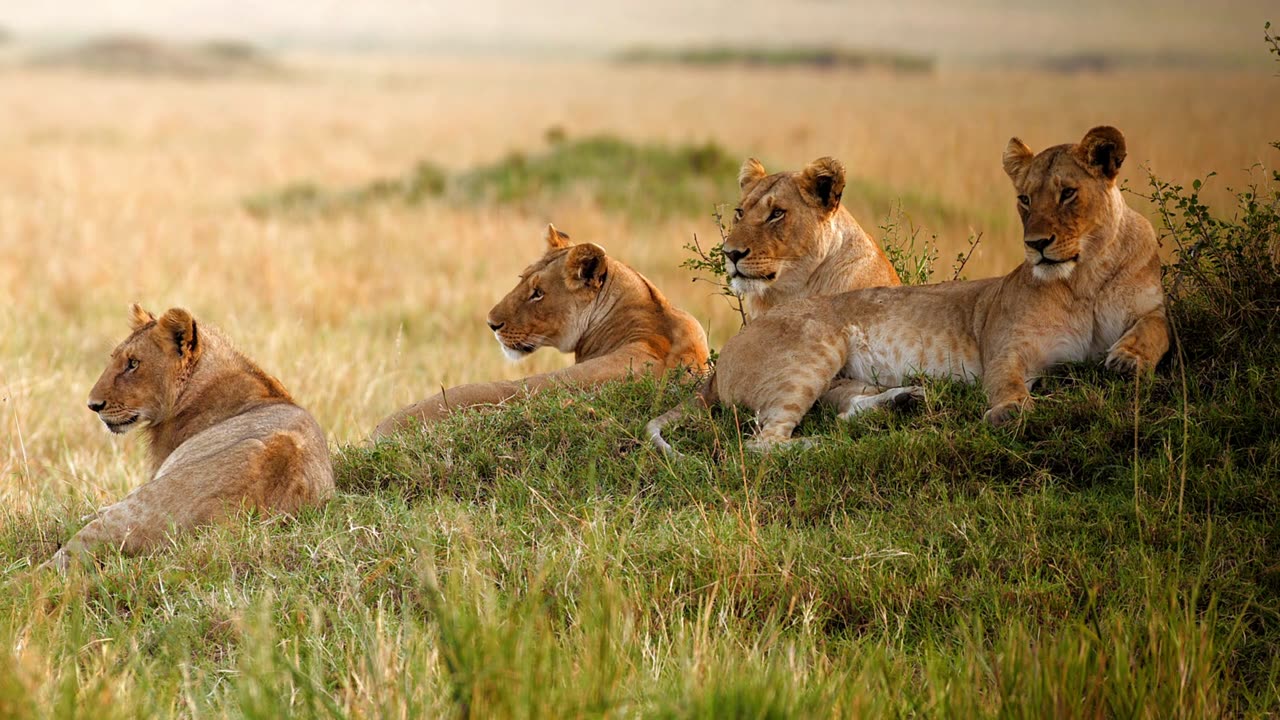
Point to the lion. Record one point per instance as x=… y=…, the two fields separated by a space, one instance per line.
x=791 y=238
x=1089 y=287
x=223 y=436
x=576 y=299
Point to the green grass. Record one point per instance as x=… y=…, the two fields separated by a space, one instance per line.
x=541 y=561
x=639 y=181
x=814 y=57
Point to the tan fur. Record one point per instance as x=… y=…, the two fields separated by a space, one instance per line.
x=579 y=300
x=1089 y=288
x=223 y=435
x=792 y=238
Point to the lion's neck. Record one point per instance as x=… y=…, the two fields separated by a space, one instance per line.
x=222 y=385
x=851 y=261
x=1116 y=245
x=629 y=311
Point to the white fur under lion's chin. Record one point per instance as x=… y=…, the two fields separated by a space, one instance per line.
x=1046 y=272
x=749 y=286
x=512 y=354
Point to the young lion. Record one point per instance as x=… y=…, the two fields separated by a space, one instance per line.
x=223 y=435
x=792 y=238
x=578 y=300
x=1089 y=287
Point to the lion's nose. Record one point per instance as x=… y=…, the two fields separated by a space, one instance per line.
x=97 y=405
x=1039 y=244
x=736 y=255
x=495 y=326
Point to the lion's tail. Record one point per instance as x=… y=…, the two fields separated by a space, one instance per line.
x=706 y=397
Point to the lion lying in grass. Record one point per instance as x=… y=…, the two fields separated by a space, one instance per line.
x=223 y=436
x=579 y=300
x=1089 y=288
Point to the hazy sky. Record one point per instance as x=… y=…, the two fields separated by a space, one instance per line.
x=950 y=28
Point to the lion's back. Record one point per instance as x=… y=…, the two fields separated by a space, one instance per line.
x=275 y=455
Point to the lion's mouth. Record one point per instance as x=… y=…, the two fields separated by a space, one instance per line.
x=515 y=351
x=1050 y=261
x=120 y=426
x=770 y=277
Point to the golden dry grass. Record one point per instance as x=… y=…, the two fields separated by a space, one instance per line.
x=119 y=189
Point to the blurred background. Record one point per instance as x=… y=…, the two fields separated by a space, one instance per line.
x=346 y=188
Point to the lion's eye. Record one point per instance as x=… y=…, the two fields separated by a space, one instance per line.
x=1024 y=201
x=737 y=213
x=536 y=295
x=1067 y=194
x=777 y=214
x=132 y=365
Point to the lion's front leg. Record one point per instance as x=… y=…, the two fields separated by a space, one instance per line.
x=1006 y=381
x=128 y=526
x=444 y=403
x=191 y=489
x=1142 y=346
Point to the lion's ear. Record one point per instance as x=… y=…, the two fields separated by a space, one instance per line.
x=556 y=240
x=1103 y=151
x=138 y=317
x=823 y=181
x=1016 y=157
x=751 y=171
x=178 y=325
x=585 y=267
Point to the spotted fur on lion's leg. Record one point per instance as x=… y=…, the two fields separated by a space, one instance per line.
x=773 y=433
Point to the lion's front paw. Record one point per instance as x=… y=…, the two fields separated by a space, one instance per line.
x=1004 y=412
x=59 y=562
x=1126 y=361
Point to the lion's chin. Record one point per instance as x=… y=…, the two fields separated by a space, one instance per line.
x=514 y=354
x=1048 y=270
x=751 y=285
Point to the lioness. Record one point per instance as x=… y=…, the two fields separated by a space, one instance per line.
x=223 y=435
x=579 y=300
x=792 y=238
x=1090 y=286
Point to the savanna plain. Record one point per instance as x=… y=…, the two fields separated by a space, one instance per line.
x=349 y=223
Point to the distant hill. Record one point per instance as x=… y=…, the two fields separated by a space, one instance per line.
x=148 y=56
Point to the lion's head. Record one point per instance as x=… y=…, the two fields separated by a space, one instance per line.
x=145 y=372
x=777 y=239
x=548 y=305
x=1067 y=198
